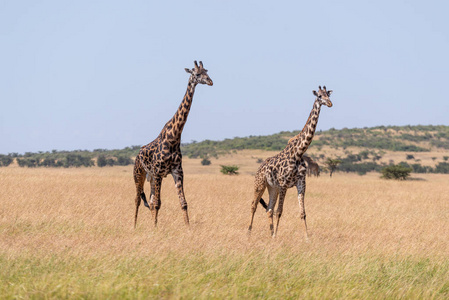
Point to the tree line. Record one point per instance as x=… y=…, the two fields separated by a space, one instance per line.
x=67 y=159
x=374 y=139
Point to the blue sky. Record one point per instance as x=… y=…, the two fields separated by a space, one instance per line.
x=109 y=74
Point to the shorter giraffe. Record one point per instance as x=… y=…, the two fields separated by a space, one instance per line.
x=288 y=168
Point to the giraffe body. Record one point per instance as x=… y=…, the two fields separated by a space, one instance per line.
x=163 y=155
x=287 y=168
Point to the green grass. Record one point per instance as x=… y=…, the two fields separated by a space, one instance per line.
x=278 y=275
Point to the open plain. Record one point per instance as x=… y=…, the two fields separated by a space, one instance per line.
x=68 y=233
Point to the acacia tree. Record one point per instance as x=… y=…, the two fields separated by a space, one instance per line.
x=229 y=170
x=398 y=172
x=332 y=164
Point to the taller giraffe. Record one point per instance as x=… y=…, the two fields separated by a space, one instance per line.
x=163 y=155
x=287 y=168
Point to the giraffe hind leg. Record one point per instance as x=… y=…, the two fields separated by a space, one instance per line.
x=273 y=193
x=280 y=209
x=258 y=192
x=139 y=179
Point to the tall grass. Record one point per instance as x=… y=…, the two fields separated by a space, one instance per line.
x=68 y=233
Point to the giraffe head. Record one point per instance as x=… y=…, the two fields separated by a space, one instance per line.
x=199 y=74
x=323 y=96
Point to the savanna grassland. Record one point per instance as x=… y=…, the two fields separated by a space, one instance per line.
x=68 y=233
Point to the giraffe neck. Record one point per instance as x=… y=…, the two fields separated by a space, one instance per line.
x=173 y=129
x=301 y=142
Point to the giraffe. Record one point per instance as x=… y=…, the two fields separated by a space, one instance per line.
x=163 y=155
x=287 y=168
x=312 y=167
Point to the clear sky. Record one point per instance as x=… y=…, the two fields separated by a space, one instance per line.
x=109 y=74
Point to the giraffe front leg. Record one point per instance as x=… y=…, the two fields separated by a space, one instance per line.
x=301 y=187
x=178 y=176
x=280 y=209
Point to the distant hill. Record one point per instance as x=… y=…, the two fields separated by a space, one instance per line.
x=394 y=138
x=359 y=149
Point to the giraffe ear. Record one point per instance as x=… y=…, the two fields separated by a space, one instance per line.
x=188 y=70
x=315 y=93
x=329 y=93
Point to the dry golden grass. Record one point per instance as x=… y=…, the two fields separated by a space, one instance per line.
x=71 y=231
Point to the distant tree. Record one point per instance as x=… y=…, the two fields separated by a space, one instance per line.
x=398 y=172
x=442 y=167
x=28 y=162
x=123 y=160
x=259 y=160
x=77 y=160
x=205 y=162
x=229 y=170
x=48 y=162
x=434 y=158
x=364 y=154
x=445 y=158
x=409 y=156
x=332 y=165
x=5 y=160
x=101 y=160
x=110 y=162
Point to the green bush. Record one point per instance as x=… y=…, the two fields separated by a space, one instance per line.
x=5 y=160
x=77 y=160
x=205 y=162
x=398 y=172
x=101 y=160
x=123 y=160
x=442 y=167
x=229 y=170
x=409 y=156
x=27 y=162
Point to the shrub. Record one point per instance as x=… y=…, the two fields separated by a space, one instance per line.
x=77 y=160
x=205 y=162
x=27 y=162
x=442 y=167
x=48 y=162
x=398 y=172
x=123 y=160
x=229 y=170
x=101 y=160
x=5 y=160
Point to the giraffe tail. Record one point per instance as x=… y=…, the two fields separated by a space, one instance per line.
x=262 y=202
x=142 y=196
